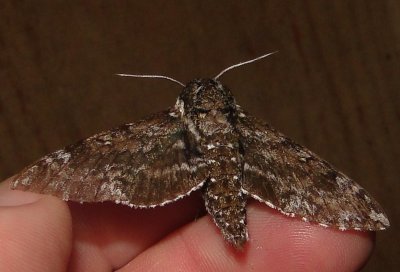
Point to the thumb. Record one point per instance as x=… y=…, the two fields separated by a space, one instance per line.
x=35 y=231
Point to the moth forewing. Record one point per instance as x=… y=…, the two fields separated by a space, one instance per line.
x=205 y=142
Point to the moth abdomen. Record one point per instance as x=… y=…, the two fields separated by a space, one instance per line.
x=206 y=141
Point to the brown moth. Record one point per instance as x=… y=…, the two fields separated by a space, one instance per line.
x=205 y=142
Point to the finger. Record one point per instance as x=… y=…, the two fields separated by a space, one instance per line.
x=107 y=236
x=35 y=232
x=110 y=235
x=306 y=246
x=277 y=243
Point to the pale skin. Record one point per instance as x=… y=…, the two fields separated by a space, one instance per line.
x=43 y=233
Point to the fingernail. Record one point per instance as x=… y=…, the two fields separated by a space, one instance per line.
x=10 y=197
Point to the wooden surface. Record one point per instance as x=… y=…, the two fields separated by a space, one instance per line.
x=334 y=86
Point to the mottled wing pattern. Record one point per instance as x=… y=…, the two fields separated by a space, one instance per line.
x=292 y=179
x=143 y=164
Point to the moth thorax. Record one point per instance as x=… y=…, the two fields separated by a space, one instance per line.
x=203 y=96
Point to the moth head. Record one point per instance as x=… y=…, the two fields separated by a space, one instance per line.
x=206 y=96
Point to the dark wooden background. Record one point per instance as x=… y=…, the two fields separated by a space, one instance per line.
x=334 y=86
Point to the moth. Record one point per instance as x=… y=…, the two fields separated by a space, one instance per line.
x=205 y=142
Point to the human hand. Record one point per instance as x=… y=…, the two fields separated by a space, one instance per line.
x=43 y=233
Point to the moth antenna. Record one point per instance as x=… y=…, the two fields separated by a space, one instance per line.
x=244 y=63
x=153 y=76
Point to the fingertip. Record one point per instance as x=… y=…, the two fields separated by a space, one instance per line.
x=293 y=244
x=36 y=236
